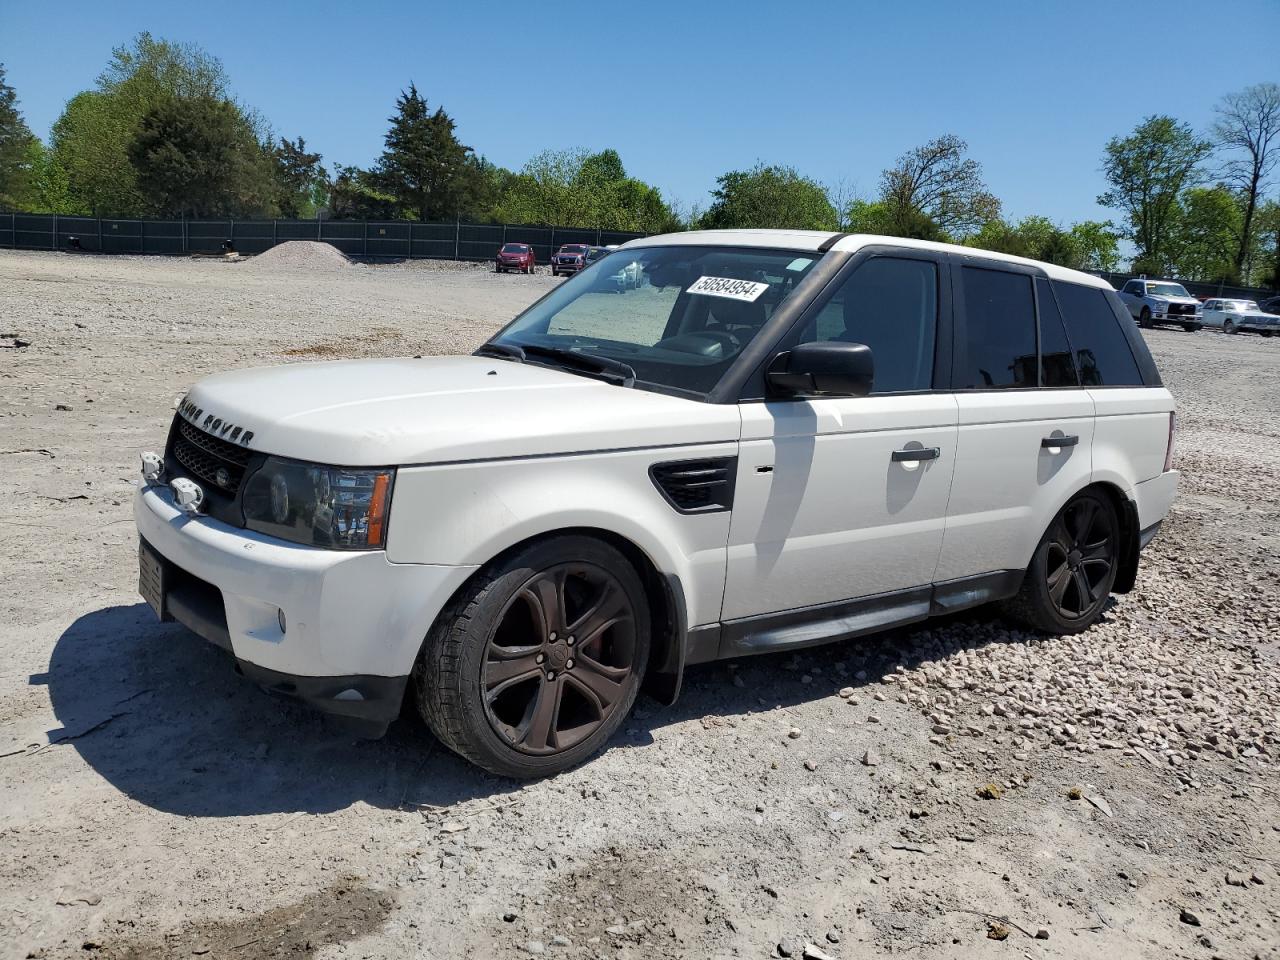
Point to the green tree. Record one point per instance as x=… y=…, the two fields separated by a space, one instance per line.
x=355 y=195
x=1098 y=243
x=91 y=139
x=1206 y=235
x=17 y=144
x=199 y=157
x=769 y=196
x=1248 y=128
x=50 y=190
x=301 y=184
x=937 y=183
x=573 y=188
x=1268 y=240
x=1148 y=170
x=423 y=165
x=1036 y=237
x=879 y=217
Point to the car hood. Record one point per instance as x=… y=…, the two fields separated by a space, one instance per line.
x=438 y=409
x=1160 y=296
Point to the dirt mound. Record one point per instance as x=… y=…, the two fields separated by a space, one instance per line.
x=301 y=255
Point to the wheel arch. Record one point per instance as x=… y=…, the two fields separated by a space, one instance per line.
x=1127 y=513
x=664 y=593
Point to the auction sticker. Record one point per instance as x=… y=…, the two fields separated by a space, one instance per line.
x=728 y=287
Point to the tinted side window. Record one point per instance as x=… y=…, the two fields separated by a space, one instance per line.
x=999 y=348
x=891 y=305
x=1102 y=352
x=1057 y=366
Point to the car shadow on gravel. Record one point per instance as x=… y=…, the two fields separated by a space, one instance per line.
x=163 y=716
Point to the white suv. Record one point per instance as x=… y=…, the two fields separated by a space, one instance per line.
x=777 y=439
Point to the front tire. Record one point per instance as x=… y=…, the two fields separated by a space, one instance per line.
x=533 y=667
x=1073 y=569
x=1229 y=326
x=1191 y=327
x=1144 y=318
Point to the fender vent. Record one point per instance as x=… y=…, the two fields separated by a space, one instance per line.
x=697 y=486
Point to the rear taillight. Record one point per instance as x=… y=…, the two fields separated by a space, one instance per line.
x=1168 y=452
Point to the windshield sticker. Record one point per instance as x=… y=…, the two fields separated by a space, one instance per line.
x=747 y=290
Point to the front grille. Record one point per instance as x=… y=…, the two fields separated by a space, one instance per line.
x=697 y=486
x=1181 y=308
x=210 y=459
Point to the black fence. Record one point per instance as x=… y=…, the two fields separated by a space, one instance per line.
x=391 y=239
x=1196 y=288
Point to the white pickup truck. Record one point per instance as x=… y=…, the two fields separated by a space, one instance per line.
x=1154 y=302
x=776 y=439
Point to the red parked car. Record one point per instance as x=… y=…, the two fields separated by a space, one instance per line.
x=515 y=256
x=570 y=258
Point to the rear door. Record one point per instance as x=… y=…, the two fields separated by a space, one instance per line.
x=1025 y=422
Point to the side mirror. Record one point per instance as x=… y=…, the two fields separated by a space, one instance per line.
x=830 y=368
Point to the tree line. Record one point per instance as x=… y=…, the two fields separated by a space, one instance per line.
x=160 y=135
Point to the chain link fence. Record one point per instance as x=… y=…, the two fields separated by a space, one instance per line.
x=391 y=239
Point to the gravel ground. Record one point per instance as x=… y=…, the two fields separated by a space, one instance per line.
x=966 y=790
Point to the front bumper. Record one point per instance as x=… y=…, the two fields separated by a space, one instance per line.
x=354 y=621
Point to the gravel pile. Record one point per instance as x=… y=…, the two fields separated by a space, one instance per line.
x=301 y=255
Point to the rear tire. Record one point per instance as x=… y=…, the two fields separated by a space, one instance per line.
x=534 y=665
x=1073 y=569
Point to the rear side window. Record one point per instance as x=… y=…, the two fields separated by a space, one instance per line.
x=1102 y=350
x=999 y=347
x=891 y=305
x=1057 y=365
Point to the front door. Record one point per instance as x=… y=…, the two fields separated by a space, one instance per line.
x=845 y=498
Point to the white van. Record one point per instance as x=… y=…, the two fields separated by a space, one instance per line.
x=776 y=439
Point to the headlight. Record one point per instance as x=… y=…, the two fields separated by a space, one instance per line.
x=320 y=506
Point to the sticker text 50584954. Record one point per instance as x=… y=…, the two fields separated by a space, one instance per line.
x=747 y=290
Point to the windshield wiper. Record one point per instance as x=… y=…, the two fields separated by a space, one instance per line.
x=505 y=351
x=588 y=363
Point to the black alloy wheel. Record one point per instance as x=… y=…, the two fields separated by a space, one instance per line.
x=1073 y=569
x=536 y=662
x=560 y=659
x=1081 y=558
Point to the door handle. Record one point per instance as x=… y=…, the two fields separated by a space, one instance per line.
x=1051 y=442
x=915 y=456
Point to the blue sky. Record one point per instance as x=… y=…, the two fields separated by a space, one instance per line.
x=687 y=90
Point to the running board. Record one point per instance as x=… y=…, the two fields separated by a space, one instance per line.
x=830 y=622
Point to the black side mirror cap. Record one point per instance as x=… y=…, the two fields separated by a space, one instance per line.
x=825 y=369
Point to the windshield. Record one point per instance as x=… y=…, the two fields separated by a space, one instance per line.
x=1167 y=290
x=514 y=248
x=1241 y=305
x=678 y=316
x=573 y=248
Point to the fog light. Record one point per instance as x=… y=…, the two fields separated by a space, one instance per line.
x=152 y=467
x=280 y=619
x=187 y=495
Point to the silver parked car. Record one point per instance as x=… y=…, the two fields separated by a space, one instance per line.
x=1236 y=316
x=1154 y=302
